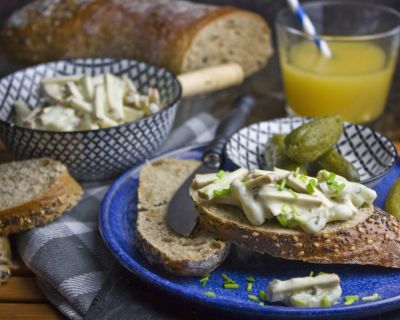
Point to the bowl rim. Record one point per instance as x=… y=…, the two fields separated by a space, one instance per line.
x=393 y=152
x=81 y=62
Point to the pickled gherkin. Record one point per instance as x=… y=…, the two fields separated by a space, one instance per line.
x=392 y=204
x=275 y=155
x=311 y=140
x=334 y=162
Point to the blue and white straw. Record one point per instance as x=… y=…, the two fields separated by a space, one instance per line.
x=308 y=26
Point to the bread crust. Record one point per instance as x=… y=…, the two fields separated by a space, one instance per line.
x=373 y=239
x=159 y=31
x=5 y=260
x=46 y=207
x=181 y=267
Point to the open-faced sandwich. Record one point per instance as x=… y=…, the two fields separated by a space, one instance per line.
x=326 y=219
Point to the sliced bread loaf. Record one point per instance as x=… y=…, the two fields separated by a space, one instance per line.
x=372 y=237
x=5 y=260
x=34 y=192
x=193 y=256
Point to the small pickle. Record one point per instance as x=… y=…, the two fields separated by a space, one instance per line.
x=311 y=140
x=275 y=155
x=392 y=204
x=334 y=162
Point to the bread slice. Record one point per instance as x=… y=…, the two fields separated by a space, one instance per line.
x=5 y=260
x=162 y=247
x=34 y=192
x=372 y=237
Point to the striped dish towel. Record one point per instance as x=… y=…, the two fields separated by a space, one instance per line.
x=68 y=256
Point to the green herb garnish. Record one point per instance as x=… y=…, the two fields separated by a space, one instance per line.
x=262 y=295
x=231 y=286
x=253 y=298
x=282 y=185
x=204 y=279
x=210 y=294
x=311 y=186
x=249 y=286
x=227 y=279
x=303 y=178
x=302 y=303
x=261 y=303
x=282 y=220
x=311 y=274
x=294 y=194
x=250 y=279
x=374 y=297
x=223 y=192
x=220 y=174
x=350 y=299
x=325 y=302
x=296 y=172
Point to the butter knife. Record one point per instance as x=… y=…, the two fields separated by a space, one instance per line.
x=182 y=215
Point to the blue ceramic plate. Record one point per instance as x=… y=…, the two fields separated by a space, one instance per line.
x=117 y=225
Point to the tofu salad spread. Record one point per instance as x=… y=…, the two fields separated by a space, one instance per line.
x=322 y=290
x=293 y=199
x=82 y=102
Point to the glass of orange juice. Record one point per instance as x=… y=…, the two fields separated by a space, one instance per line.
x=355 y=81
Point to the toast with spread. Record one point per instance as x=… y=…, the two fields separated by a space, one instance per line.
x=369 y=236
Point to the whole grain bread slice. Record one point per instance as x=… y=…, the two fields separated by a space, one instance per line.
x=371 y=238
x=34 y=192
x=202 y=252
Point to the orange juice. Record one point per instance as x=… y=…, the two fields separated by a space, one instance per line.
x=354 y=83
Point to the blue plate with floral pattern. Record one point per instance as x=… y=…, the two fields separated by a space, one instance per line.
x=117 y=225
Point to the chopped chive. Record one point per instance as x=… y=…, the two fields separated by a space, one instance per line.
x=282 y=220
x=250 y=286
x=231 y=286
x=311 y=274
x=245 y=180
x=294 y=194
x=350 y=299
x=303 y=178
x=250 y=279
x=262 y=295
x=301 y=303
x=320 y=273
x=220 y=174
x=294 y=210
x=253 y=298
x=227 y=279
x=284 y=208
x=282 y=185
x=340 y=187
x=261 y=303
x=325 y=302
x=375 y=296
x=331 y=177
x=223 y=192
x=296 y=172
x=311 y=186
x=210 y=294
x=205 y=279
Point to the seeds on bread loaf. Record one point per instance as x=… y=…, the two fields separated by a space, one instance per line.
x=34 y=192
x=193 y=256
x=179 y=35
x=372 y=237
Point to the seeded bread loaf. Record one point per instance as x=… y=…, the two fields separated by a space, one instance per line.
x=34 y=192
x=193 y=256
x=371 y=238
x=178 y=35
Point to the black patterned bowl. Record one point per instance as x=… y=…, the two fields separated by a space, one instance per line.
x=94 y=154
x=372 y=154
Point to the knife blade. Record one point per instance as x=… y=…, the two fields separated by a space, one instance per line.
x=182 y=215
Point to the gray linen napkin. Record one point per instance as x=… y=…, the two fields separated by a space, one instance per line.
x=68 y=256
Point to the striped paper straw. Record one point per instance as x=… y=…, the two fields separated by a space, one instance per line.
x=308 y=26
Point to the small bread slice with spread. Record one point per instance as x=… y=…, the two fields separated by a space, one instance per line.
x=33 y=193
x=202 y=252
x=326 y=219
